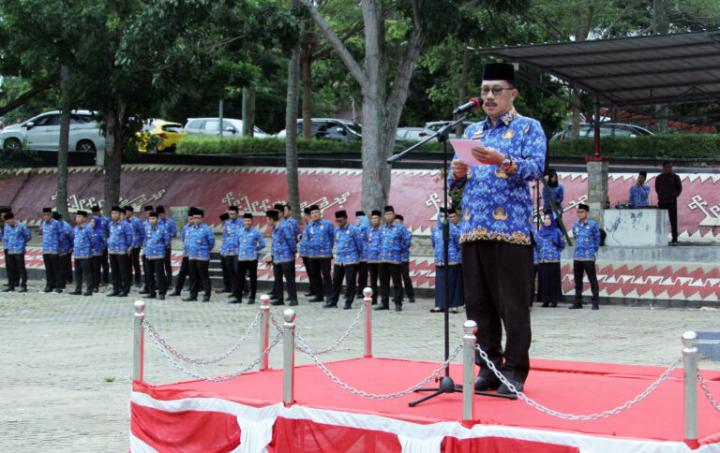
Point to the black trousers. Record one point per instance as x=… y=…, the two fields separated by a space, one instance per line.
x=135 y=265
x=229 y=273
x=277 y=289
x=245 y=269
x=16 y=271
x=497 y=286
x=105 y=266
x=182 y=275
x=362 y=277
x=373 y=270
x=287 y=272
x=53 y=279
x=671 y=207
x=168 y=265
x=407 y=281
x=83 y=274
x=199 y=277
x=146 y=271
x=390 y=271
x=312 y=279
x=587 y=267
x=66 y=265
x=155 y=274
x=119 y=271
x=96 y=263
x=321 y=268
x=349 y=273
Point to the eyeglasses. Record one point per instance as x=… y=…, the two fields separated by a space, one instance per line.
x=496 y=90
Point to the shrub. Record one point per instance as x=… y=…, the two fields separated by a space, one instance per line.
x=652 y=147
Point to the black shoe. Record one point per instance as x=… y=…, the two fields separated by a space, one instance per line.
x=412 y=301
x=144 y=291
x=316 y=299
x=58 y=291
x=277 y=302
x=175 y=294
x=161 y=297
x=483 y=384
x=234 y=300
x=553 y=305
x=398 y=307
x=190 y=299
x=23 y=289
x=309 y=295
x=504 y=390
x=123 y=294
x=330 y=305
x=113 y=294
x=47 y=289
x=575 y=306
x=96 y=290
x=206 y=299
x=251 y=302
x=150 y=296
x=87 y=293
x=347 y=306
x=77 y=292
x=595 y=306
x=381 y=307
x=292 y=303
x=545 y=305
x=8 y=290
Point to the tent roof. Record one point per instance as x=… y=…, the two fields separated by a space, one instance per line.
x=641 y=70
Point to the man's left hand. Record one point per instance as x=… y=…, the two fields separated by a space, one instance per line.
x=489 y=156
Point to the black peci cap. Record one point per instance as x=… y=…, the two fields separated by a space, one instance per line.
x=499 y=71
x=247 y=215
x=160 y=209
x=47 y=210
x=376 y=212
x=224 y=216
x=56 y=215
x=82 y=213
x=359 y=213
x=232 y=208
x=153 y=214
x=341 y=214
x=583 y=206
x=389 y=209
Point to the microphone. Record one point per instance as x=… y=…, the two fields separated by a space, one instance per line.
x=469 y=106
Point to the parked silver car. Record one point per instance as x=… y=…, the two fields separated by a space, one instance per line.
x=211 y=126
x=42 y=133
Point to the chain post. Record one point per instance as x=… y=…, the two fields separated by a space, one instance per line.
x=289 y=357
x=138 y=341
x=690 y=376
x=264 y=332
x=469 y=330
x=367 y=300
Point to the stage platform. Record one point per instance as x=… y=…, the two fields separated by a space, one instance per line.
x=246 y=414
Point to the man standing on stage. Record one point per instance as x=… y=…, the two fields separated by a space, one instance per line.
x=391 y=244
x=348 y=246
x=496 y=238
x=120 y=241
x=50 y=229
x=669 y=187
x=250 y=244
x=318 y=244
x=283 y=254
x=405 y=259
x=138 y=236
x=586 y=233
x=15 y=236
x=82 y=249
x=201 y=240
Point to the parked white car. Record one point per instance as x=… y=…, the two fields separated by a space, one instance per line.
x=211 y=126
x=42 y=133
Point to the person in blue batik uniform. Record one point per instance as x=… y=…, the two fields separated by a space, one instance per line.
x=184 y=271
x=639 y=192
x=200 y=242
x=348 y=248
x=392 y=239
x=15 y=236
x=405 y=259
x=548 y=245
x=171 y=227
x=250 y=243
x=50 y=230
x=65 y=249
x=555 y=191
x=284 y=248
x=120 y=241
x=372 y=251
x=362 y=224
x=315 y=290
x=586 y=233
x=454 y=266
x=138 y=236
x=318 y=243
x=83 y=243
x=496 y=230
x=102 y=223
x=154 y=248
x=228 y=253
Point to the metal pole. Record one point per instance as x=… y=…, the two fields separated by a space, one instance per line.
x=138 y=341
x=289 y=357
x=469 y=329
x=690 y=374
x=367 y=300
x=264 y=331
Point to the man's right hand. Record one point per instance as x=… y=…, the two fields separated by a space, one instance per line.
x=459 y=169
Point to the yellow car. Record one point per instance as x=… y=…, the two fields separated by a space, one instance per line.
x=159 y=136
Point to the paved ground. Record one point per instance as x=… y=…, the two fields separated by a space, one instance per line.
x=65 y=361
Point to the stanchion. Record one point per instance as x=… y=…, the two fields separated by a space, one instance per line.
x=690 y=375
x=367 y=293
x=138 y=341
x=289 y=357
x=264 y=332
x=469 y=330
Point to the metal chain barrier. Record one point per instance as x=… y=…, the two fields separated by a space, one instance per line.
x=275 y=323
x=583 y=417
x=301 y=346
x=708 y=394
x=185 y=358
x=340 y=340
x=226 y=377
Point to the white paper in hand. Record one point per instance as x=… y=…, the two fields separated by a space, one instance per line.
x=463 y=148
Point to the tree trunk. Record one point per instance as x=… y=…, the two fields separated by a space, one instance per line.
x=114 y=144
x=307 y=90
x=661 y=25
x=248 y=111
x=61 y=197
x=374 y=193
x=291 y=113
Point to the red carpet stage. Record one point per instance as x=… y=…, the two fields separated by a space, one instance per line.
x=247 y=415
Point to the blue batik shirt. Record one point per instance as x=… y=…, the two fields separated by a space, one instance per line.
x=497 y=206
x=587 y=240
x=373 y=245
x=348 y=245
x=99 y=238
x=183 y=236
x=138 y=232
x=50 y=236
x=362 y=228
x=295 y=227
x=548 y=244
x=121 y=237
x=169 y=225
x=16 y=238
x=283 y=243
x=229 y=238
x=318 y=237
x=454 y=254
x=639 y=196
x=156 y=241
x=406 y=244
x=250 y=243
x=391 y=243
x=557 y=193
x=67 y=238
x=83 y=241
x=200 y=241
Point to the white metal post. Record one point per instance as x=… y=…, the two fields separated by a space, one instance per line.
x=367 y=300
x=264 y=331
x=289 y=357
x=469 y=329
x=690 y=374
x=138 y=341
